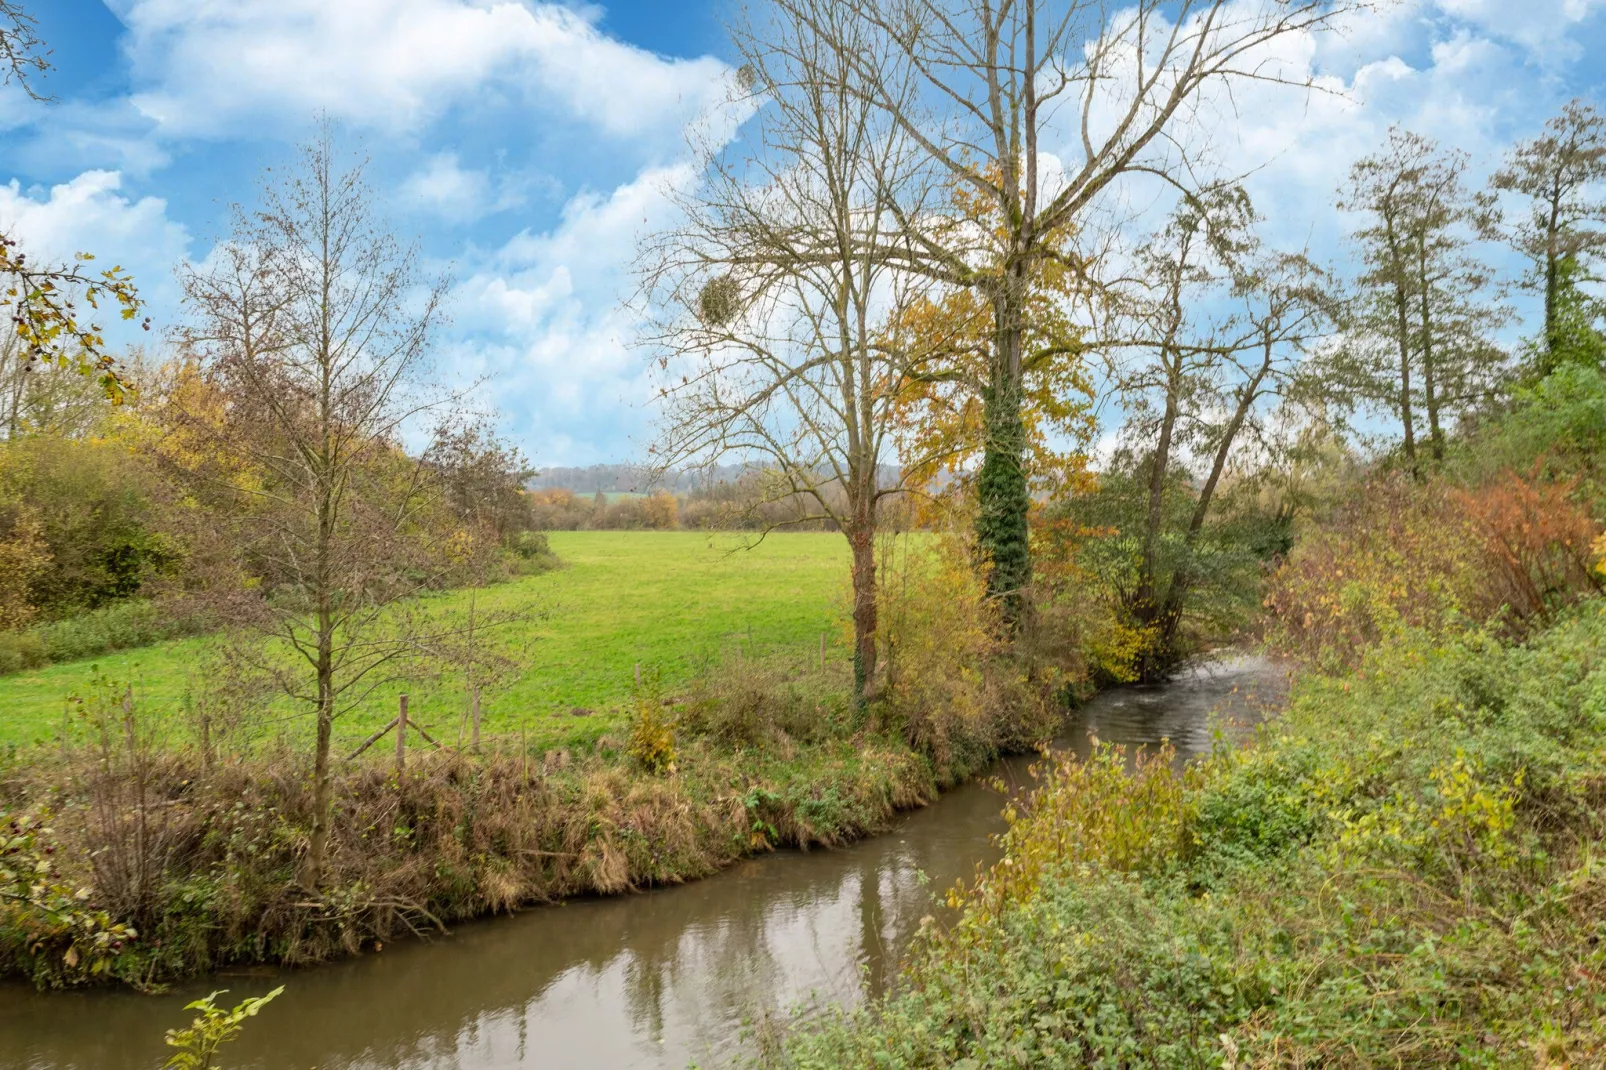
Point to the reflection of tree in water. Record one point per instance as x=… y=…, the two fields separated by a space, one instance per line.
x=553 y=987
x=689 y=964
x=872 y=951
x=822 y=933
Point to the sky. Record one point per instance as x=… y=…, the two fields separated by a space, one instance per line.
x=528 y=146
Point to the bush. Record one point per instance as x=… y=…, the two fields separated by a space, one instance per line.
x=953 y=686
x=1401 y=872
x=120 y=626
x=652 y=736
x=768 y=703
x=93 y=503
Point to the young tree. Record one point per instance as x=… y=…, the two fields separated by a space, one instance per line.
x=314 y=325
x=1416 y=333
x=1562 y=175
x=1001 y=87
x=778 y=294
x=1211 y=328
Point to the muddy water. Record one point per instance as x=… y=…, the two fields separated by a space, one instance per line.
x=662 y=979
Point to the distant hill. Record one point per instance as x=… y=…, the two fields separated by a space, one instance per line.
x=633 y=479
x=628 y=478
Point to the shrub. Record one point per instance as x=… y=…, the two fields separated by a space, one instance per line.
x=652 y=736
x=1399 y=555
x=24 y=558
x=195 y=1047
x=1403 y=871
x=768 y=703
x=93 y=503
x=1537 y=544
x=119 y=626
x=1403 y=555
x=953 y=687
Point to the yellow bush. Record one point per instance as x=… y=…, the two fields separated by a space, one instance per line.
x=652 y=736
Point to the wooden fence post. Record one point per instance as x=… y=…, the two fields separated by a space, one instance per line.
x=638 y=676
x=401 y=738
x=206 y=738
x=475 y=701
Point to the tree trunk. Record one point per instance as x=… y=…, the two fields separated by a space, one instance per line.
x=1004 y=501
x=1429 y=387
x=318 y=845
x=1552 y=280
x=862 y=539
x=1170 y=616
x=1144 y=605
x=1402 y=330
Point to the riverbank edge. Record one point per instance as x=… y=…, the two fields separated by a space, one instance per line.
x=453 y=839
x=1405 y=860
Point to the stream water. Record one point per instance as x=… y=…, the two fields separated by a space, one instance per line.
x=659 y=980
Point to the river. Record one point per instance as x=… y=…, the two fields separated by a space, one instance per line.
x=663 y=979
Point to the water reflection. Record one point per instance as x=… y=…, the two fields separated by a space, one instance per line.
x=653 y=980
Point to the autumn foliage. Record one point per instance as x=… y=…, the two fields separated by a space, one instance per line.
x=1400 y=555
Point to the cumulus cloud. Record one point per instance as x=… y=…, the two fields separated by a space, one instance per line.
x=1542 y=26
x=90 y=213
x=545 y=315
x=206 y=66
x=1422 y=64
x=443 y=187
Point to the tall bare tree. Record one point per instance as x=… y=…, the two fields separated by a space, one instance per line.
x=314 y=325
x=1040 y=106
x=1562 y=175
x=775 y=342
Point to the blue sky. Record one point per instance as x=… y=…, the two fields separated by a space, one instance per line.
x=528 y=145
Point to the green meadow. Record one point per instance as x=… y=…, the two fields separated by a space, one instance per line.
x=675 y=602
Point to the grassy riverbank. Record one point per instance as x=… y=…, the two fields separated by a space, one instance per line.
x=676 y=602
x=135 y=854
x=1404 y=870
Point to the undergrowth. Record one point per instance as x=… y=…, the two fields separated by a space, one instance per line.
x=1405 y=870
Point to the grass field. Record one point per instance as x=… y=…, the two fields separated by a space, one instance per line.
x=673 y=601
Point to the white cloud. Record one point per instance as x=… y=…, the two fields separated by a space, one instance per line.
x=1542 y=26
x=207 y=66
x=442 y=187
x=545 y=315
x=1459 y=86
x=91 y=214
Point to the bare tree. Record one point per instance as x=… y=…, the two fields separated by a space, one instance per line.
x=23 y=56
x=1562 y=175
x=314 y=326
x=777 y=298
x=1039 y=106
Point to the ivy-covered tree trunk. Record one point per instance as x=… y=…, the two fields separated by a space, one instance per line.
x=1003 y=499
